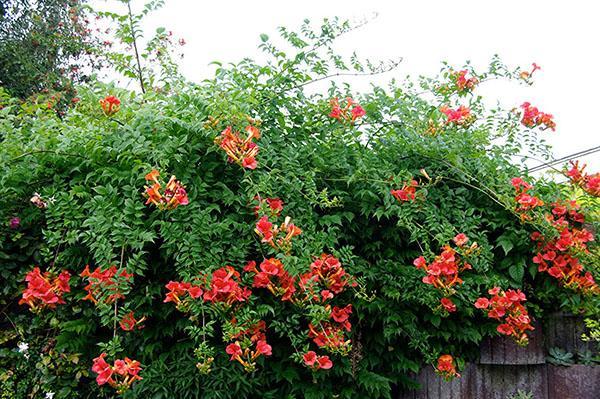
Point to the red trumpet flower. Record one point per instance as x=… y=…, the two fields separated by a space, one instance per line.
x=110 y=105
x=129 y=323
x=239 y=149
x=464 y=83
x=349 y=113
x=407 y=192
x=315 y=362
x=250 y=344
x=173 y=195
x=507 y=307
x=461 y=116
x=588 y=183
x=225 y=287
x=121 y=375
x=45 y=290
x=532 y=117
x=279 y=237
x=107 y=285
x=446 y=367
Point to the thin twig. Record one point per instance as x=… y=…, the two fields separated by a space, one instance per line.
x=13 y=324
x=338 y=74
x=58 y=247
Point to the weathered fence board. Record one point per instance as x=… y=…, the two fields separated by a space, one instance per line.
x=503 y=350
x=433 y=386
x=502 y=381
x=564 y=331
x=574 y=382
x=482 y=382
x=505 y=368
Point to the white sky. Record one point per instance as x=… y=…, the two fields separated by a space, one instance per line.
x=562 y=37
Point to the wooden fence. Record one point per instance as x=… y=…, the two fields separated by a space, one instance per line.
x=504 y=368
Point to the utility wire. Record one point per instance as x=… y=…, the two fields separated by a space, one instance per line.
x=564 y=159
x=553 y=162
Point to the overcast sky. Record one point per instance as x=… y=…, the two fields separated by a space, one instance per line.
x=562 y=37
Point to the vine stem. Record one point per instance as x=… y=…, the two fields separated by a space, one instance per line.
x=389 y=68
x=203 y=326
x=488 y=194
x=115 y=320
x=135 y=48
x=13 y=324
x=322 y=41
x=116 y=299
x=58 y=248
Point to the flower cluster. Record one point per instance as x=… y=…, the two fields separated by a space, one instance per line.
x=342 y=316
x=225 y=287
x=315 y=362
x=526 y=75
x=407 y=192
x=249 y=345
x=351 y=112
x=178 y=290
x=554 y=256
x=325 y=279
x=524 y=199
x=110 y=105
x=446 y=367
x=241 y=150
x=330 y=336
x=461 y=116
x=45 y=290
x=120 y=375
x=14 y=223
x=464 y=83
x=38 y=201
x=129 y=323
x=105 y=286
x=448 y=305
x=273 y=205
x=532 y=117
x=205 y=354
x=443 y=272
x=174 y=193
x=507 y=307
x=274 y=277
x=588 y=183
x=279 y=237
x=23 y=347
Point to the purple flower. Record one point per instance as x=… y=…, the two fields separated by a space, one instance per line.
x=15 y=223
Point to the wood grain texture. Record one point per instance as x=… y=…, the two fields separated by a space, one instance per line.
x=574 y=382
x=564 y=331
x=503 y=350
x=492 y=381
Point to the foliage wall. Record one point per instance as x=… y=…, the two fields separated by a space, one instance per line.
x=420 y=168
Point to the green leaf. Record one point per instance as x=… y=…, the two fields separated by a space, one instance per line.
x=505 y=243
x=516 y=272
